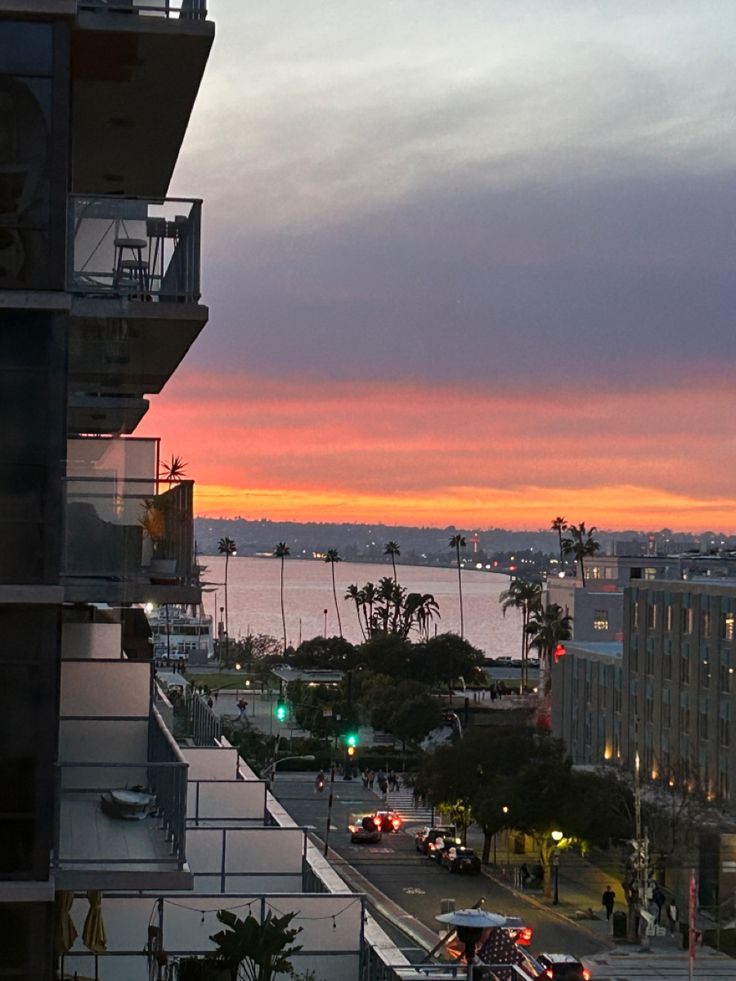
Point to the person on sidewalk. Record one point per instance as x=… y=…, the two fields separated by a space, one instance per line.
x=673 y=915
x=658 y=898
x=608 y=899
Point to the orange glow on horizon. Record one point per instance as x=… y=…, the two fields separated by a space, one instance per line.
x=430 y=454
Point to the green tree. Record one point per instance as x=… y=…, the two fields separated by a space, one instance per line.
x=548 y=626
x=392 y=549
x=457 y=542
x=559 y=524
x=227 y=547
x=330 y=653
x=525 y=596
x=280 y=552
x=252 y=950
x=414 y=718
x=447 y=658
x=580 y=545
x=333 y=557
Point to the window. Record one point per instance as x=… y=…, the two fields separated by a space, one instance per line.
x=666 y=708
x=727 y=626
x=649 y=573
x=649 y=662
x=706 y=623
x=600 y=620
x=667 y=666
x=687 y=620
x=635 y=614
x=724 y=733
x=725 y=678
x=595 y=572
x=668 y=617
x=723 y=784
x=703 y=721
x=685 y=665
x=684 y=712
x=652 y=616
x=705 y=667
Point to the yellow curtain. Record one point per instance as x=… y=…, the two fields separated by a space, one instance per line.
x=94 y=934
x=65 y=933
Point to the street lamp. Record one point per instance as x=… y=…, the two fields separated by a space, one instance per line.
x=269 y=772
x=505 y=811
x=556 y=838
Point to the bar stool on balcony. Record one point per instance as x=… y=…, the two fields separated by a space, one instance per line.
x=131 y=269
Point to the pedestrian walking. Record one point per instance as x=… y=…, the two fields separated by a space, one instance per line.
x=673 y=915
x=364 y=777
x=608 y=899
x=371 y=778
x=658 y=898
x=525 y=876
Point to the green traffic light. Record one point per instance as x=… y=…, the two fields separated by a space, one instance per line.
x=351 y=739
x=281 y=711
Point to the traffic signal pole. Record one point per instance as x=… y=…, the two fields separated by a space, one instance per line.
x=329 y=808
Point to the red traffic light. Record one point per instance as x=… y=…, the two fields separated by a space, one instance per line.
x=560 y=651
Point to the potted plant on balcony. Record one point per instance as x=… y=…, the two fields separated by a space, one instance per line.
x=153 y=522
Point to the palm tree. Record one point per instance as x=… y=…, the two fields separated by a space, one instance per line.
x=525 y=596
x=559 y=525
x=280 y=552
x=332 y=556
x=392 y=549
x=369 y=595
x=457 y=542
x=358 y=597
x=548 y=626
x=580 y=545
x=227 y=547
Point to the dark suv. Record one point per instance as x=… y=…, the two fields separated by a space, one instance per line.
x=562 y=967
x=427 y=836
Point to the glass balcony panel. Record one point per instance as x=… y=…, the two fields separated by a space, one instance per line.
x=183 y=9
x=131 y=247
x=120 y=527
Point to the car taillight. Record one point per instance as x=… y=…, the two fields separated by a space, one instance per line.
x=525 y=937
x=396 y=824
x=586 y=974
x=377 y=822
x=550 y=973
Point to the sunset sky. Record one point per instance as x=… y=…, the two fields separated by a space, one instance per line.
x=467 y=263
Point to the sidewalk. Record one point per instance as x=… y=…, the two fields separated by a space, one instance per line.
x=580 y=888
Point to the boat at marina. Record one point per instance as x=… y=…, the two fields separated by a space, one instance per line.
x=180 y=633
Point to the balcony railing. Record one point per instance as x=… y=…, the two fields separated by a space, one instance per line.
x=168 y=783
x=135 y=248
x=119 y=528
x=183 y=9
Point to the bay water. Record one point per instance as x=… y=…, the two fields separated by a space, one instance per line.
x=254 y=604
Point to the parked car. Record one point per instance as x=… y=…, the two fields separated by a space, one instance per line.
x=437 y=847
x=562 y=967
x=459 y=859
x=425 y=835
x=365 y=830
x=389 y=821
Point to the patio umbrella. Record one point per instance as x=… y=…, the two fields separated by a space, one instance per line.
x=94 y=934
x=65 y=933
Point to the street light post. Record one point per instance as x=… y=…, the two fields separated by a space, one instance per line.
x=557 y=838
x=505 y=811
x=269 y=772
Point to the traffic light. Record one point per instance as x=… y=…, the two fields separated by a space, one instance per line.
x=351 y=740
x=281 y=710
x=351 y=751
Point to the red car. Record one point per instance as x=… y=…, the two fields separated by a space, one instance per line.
x=388 y=821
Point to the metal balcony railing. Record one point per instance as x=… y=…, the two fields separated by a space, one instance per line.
x=183 y=9
x=119 y=528
x=168 y=783
x=135 y=248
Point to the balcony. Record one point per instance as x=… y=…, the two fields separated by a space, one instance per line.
x=184 y=9
x=133 y=269
x=124 y=543
x=134 y=249
x=94 y=849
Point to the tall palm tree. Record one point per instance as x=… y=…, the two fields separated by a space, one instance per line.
x=527 y=597
x=227 y=547
x=392 y=549
x=280 y=552
x=548 y=626
x=559 y=525
x=369 y=595
x=332 y=556
x=581 y=544
x=457 y=542
x=358 y=597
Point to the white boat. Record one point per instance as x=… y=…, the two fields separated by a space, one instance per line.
x=180 y=633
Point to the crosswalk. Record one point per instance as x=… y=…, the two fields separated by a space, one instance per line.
x=404 y=802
